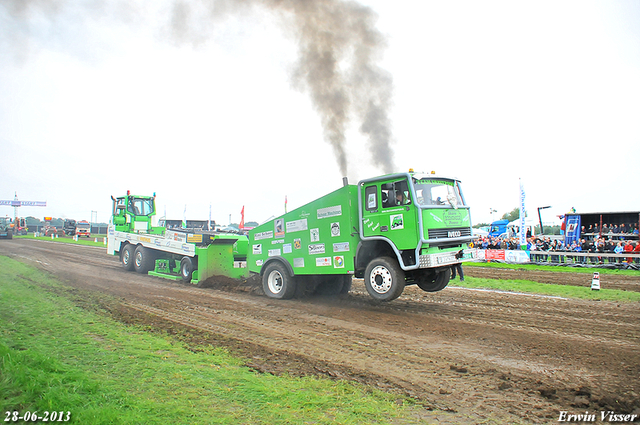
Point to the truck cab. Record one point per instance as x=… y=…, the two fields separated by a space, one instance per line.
x=83 y=228
x=134 y=214
x=421 y=221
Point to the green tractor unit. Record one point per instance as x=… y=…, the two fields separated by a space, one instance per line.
x=192 y=256
x=393 y=230
x=6 y=232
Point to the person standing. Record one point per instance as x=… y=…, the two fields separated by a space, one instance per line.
x=457 y=268
x=628 y=248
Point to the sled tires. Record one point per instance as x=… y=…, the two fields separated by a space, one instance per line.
x=126 y=257
x=143 y=259
x=186 y=269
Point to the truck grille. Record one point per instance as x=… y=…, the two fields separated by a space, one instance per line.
x=449 y=233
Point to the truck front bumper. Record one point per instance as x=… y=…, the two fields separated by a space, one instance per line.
x=446 y=258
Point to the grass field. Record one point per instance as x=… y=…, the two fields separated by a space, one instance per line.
x=559 y=269
x=564 y=291
x=91 y=241
x=57 y=357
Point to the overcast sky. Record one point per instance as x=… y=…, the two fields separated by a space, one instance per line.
x=202 y=103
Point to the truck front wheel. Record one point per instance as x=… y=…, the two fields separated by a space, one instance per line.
x=384 y=279
x=126 y=257
x=277 y=283
x=434 y=282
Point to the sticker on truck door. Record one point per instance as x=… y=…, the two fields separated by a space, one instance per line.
x=397 y=222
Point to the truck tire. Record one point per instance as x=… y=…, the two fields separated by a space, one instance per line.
x=126 y=257
x=429 y=282
x=143 y=259
x=186 y=269
x=346 y=286
x=277 y=283
x=334 y=285
x=384 y=279
x=330 y=285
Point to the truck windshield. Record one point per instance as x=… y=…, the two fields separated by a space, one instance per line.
x=140 y=206
x=438 y=192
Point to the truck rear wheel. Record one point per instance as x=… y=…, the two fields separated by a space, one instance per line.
x=434 y=282
x=143 y=260
x=384 y=279
x=126 y=257
x=277 y=283
x=186 y=269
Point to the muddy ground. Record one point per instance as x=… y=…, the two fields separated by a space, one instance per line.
x=466 y=356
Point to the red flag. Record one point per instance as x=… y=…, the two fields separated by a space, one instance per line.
x=242 y=218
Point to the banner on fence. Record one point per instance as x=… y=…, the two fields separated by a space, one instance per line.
x=511 y=256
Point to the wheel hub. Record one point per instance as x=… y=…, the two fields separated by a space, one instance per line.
x=275 y=282
x=380 y=279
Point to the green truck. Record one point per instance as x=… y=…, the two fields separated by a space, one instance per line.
x=393 y=230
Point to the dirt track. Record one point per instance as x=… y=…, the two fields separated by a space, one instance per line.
x=467 y=356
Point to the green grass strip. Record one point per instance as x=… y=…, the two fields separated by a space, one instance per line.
x=565 y=291
x=68 y=239
x=55 y=356
x=559 y=268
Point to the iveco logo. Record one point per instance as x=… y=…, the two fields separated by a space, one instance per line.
x=454 y=234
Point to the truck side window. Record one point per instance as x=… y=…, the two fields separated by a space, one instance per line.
x=371 y=198
x=394 y=194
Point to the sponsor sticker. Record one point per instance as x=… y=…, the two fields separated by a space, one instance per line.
x=298 y=262
x=338 y=262
x=397 y=222
x=341 y=247
x=323 y=261
x=296 y=225
x=263 y=235
x=371 y=201
x=317 y=248
x=327 y=212
x=286 y=248
x=257 y=249
x=314 y=235
x=335 y=229
x=297 y=243
x=273 y=252
x=278 y=225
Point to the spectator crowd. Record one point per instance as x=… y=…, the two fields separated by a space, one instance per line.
x=612 y=239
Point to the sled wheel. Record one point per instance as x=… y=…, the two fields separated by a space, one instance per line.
x=143 y=259
x=126 y=257
x=186 y=269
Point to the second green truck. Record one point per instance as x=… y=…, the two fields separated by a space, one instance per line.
x=392 y=231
